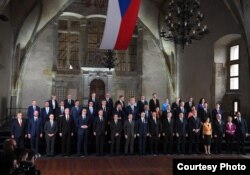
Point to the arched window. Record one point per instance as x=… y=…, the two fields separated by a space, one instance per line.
x=234 y=67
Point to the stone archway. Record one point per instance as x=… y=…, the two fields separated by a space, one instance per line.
x=98 y=86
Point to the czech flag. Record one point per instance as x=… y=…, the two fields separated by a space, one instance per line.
x=120 y=23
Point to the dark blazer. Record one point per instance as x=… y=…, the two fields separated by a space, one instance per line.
x=95 y=103
x=215 y=112
x=129 y=129
x=110 y=104
x=51 y=104
x=66 y=126
x=194 y=124
x=99 y=126
x=141 y=105
x=17 y=130
x=188 y=107
x=50 y=130
x=44 y=115
x=122 y=103
x=75 y=113
x=35 y=128
x=181 y=127
x=30 y=112
x=218 y=128
x=142 y=128
x=154 y=128
x=153 y=105
x=241 y=127
x=120 y=113
x=202 y=114
x=67 y=105
x=106 y=113
x=184 y=111
x=168 y=127
x=115 y=128
x=59 y=113
x=93 y=115
x=81 y=122
x=133 y=112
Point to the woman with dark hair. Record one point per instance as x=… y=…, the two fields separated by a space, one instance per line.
x=201 y=104
x=207 y=135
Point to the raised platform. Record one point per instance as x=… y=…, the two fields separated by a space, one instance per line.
x=121 y=165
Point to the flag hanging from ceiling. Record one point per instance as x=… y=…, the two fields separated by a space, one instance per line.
x=120 y=23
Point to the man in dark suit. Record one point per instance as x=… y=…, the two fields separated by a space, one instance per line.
x=109 y=102
x=189 y=104
x=132 y=109
x=141 y=103
x=122 y=102
x=194 y=126
x=53 y=104
x=66 y=131
x=32 y=108
x=174 y=107
x=181 y=132
x=148 y=113
x=204 y=113
x=154 y=133
x=142 y=133
x=99 y=128
x=83 y=132
x=76 y=111
x=167 y=133
x=19 y=130
x=69 y=102
x=154 y=103
x=182 y=109
x=241 y=132
x=50 y=129
x=218 y=110
x=45 y=112
x=91 y=113
x=35 y=130
x=94 y=100
x=116 y=129
x=218 y=133
x=130 y=134
x=118 y=110
x=60 y=111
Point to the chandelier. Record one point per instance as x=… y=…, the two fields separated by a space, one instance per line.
x=184 y=22
x=109 y=61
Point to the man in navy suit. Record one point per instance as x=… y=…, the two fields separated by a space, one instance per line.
x=168 y=132
x=76 y=111
x=19 y=130
x=45 y=112
x=142 y=133
x=141 y=103
x=60 y=110
x=154 y=133
x=132 y=109
x=35 y=129
x=53 y=104
x=69 y=102
x=116 y=129
x=109 y=101
x=33 y=108
x=94 y=100
x=241 y=133
x=194 y=126
x=154 y=103
x=83 y=132
x=181 y=133
x=218 y=133
x=218 y=110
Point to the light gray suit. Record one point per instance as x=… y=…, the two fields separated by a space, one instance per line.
x=129 y=130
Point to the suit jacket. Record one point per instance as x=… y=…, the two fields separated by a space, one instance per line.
x=120 y=113
x=95 y=103
x=230 y=130
x=184 y=111
x=181 y=127
x=153 y=105
x=168 y=127
x=142 y=128
x=81 y=122
x=50 y=130
x=133 y=112
x=215 y=112
x=30 y=112
x=115 y=128
x=99 y=126
x=202 y=114
x=92 y=115
x=188 y=107
x=44 y=115
x=106 y=113
x=218 y=128
x=241 y=127
x=59 y=113
x=154 y=128
x=75 y=113
x=35 y=128
x=141 y=105
x=129 y=129
x=194 y=123
x=122 y=103
x=51 y=104
x=17 y=130
x=67 y=105
x=110 y=104
x=66 y=126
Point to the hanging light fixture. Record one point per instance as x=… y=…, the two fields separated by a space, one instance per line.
x=109 y=61
x=184 y=22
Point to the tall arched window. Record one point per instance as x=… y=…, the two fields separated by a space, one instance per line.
x=234 y=67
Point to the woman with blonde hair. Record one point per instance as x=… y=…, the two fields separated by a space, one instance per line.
x=207 y=135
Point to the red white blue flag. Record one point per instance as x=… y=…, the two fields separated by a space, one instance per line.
x=120 y=23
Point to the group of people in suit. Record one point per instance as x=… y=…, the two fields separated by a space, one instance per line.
x=146 y=123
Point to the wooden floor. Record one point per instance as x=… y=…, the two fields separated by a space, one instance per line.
x=122 y=165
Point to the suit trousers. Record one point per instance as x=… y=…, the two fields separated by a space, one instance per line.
x=115 y=141
x=142 y=144
x=34 y=140
x=154 y=144
x=218 y=144
x=66 y=143
x=50 y=145
x=129 y=143
x=181 y=144
x=168 y=144
x=100 y=144
x=82 y=142
x=240 y=138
